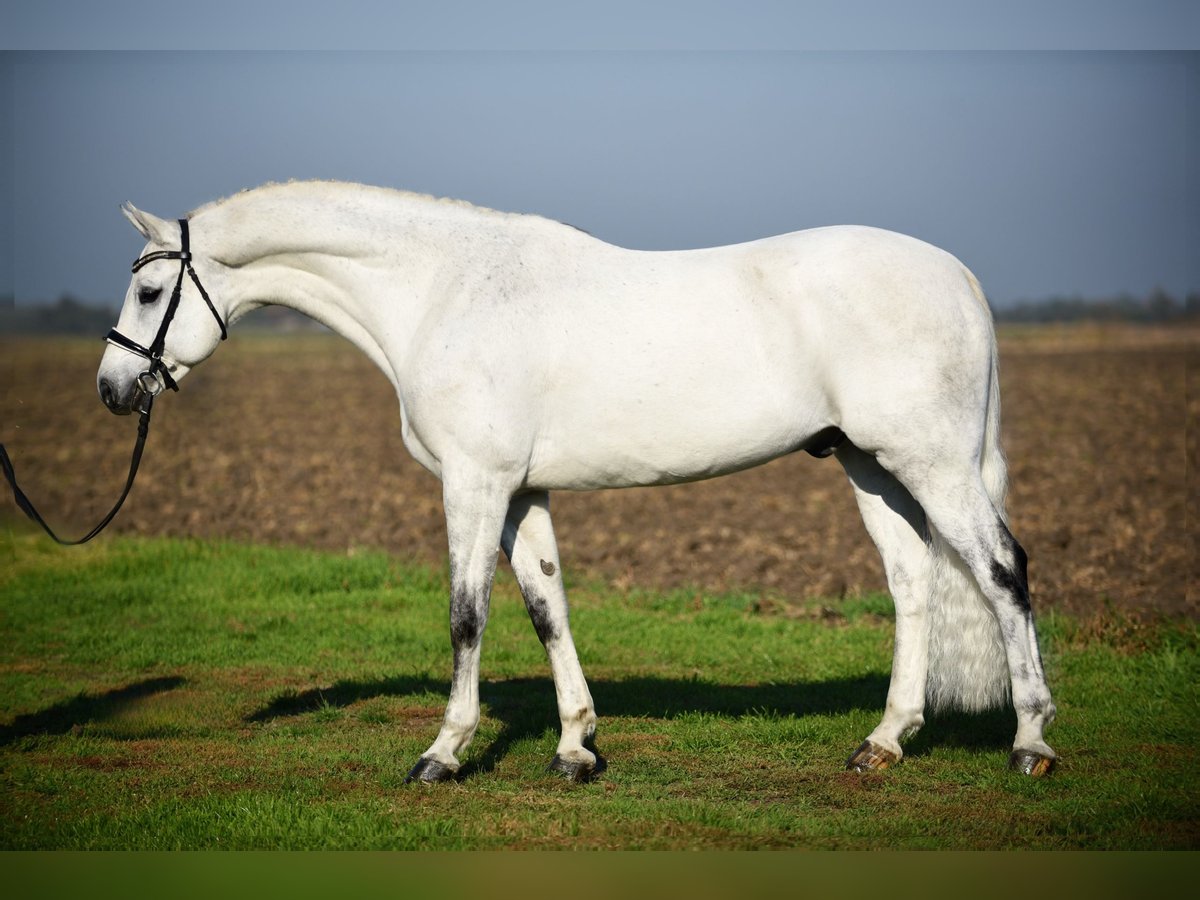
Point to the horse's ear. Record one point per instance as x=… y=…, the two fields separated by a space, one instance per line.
x=151 y=227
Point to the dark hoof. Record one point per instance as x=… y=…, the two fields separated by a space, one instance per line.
x=577 y=772
x=429 y=771
x=871 y=758
x=1031 y=763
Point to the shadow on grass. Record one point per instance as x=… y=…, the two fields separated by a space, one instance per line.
x=664 y=698
x=525 y=707
x=991 y=730
x=64 y=717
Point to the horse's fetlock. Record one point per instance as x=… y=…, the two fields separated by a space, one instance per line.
x=462 y=727
x=916 y=721
x=576 y=754
x=886 y=743
x=1039 y=706
x=911 y=717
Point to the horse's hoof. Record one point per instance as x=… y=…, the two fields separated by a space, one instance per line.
x=429 y=771
x=1031 y=763
x=871 y=758
x=578 y=772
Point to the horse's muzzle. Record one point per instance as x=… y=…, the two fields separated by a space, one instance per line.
x=109 y=395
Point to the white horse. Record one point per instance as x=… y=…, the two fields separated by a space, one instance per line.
x=529 y=356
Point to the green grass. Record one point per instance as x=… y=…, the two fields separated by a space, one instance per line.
x=168 y=694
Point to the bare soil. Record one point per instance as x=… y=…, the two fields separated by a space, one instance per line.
x=296 y=440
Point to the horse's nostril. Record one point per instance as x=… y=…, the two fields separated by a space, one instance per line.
x=107 y=394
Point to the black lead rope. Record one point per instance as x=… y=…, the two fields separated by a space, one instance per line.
x=148 y=380
x=27 y=507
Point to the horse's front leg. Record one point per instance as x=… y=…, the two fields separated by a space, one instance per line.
x=475 y=509
x=529 y=543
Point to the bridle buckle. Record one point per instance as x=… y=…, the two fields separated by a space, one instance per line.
x=150 y=383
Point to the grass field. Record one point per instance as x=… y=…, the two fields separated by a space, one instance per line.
x=162 y=694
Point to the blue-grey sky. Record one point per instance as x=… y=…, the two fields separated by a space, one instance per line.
x=1047 y=171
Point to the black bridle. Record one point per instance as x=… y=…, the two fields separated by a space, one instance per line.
x=152 y=382
x=157 y=377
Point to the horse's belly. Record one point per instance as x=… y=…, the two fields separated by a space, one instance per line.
x=569 y=472
x=640 y=444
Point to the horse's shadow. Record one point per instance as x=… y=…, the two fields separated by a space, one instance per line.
x=525 y=706
x=64 y=717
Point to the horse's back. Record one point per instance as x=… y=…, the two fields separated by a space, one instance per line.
x=676 y=366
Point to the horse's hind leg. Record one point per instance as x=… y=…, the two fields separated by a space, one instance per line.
x=528 y=541
x=958 y=507
x=475 y=510
x=896 y=524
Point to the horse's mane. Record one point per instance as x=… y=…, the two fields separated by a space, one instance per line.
x=301 y=183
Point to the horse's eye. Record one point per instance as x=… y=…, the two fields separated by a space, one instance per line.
x=148 y=294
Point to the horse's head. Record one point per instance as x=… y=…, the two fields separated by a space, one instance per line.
x=168 y=322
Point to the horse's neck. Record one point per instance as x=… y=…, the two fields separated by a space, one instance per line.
x=360 y=263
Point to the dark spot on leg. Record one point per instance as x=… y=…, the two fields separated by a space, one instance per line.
x=547 y=567
x=1005 y=577
x=1035 y=706
x=1014 y=580
x=464 y=619
x=539 y=614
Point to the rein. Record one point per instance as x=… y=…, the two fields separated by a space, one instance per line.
x=153 y=381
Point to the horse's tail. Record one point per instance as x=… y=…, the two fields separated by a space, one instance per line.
x=967 y=665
